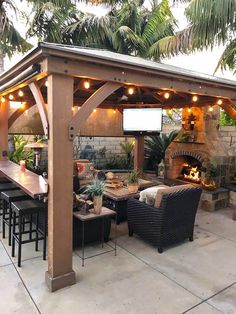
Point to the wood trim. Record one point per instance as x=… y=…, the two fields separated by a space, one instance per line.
x=4 y=109
x=42 y=108
x=230 y=110
x=16 y=114
x=89 y=105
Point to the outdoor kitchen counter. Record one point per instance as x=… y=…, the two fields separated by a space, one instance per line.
x=27 y=181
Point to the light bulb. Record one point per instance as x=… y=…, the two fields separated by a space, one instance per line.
x=167 y=95
x=189 y=109
x=114 y=111
x=3 y=99
x=94 y=110
x=130 y=90
x=211 y=109
x=86 y=84
x=20 y=93
x=220 y=102
x=11 y=97
x=195 y=98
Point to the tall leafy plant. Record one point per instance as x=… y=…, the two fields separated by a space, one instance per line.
x=155 y=147
x=20 y=153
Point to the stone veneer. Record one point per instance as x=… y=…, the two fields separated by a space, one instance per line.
x=207 y=146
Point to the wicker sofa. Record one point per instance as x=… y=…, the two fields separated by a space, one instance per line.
x=171 y=223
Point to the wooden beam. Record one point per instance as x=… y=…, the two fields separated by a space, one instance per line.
x=143 y=79
x=139 y=153
x=230 y=110
x=35 y=89
x=89 y=105
x=4 y=109
x=60 y=174
x=16 y=114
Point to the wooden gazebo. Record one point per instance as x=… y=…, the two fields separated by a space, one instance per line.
x=67 y=84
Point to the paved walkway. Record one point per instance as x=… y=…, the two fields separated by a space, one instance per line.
x=194 y=277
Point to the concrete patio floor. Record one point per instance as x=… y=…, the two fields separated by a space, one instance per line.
x=193 y=277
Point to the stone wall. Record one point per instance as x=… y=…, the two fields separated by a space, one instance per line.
x=228 y=134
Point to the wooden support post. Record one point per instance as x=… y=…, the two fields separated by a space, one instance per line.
x=139 y=153
x=4 y=110
x=60 y=166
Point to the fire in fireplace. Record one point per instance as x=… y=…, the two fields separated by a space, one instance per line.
x=191 y=170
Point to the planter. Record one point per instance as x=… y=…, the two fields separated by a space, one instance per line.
x=97 y=204
x=133 y=187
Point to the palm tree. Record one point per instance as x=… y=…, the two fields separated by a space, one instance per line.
x=155 y=148
x=211 y=23
x=10 y=39
x=128 y=28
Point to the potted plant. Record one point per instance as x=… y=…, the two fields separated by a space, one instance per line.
x=96 y=189
x=211 y=172
x=133 y=183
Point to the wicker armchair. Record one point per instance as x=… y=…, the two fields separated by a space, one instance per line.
x=171 y=223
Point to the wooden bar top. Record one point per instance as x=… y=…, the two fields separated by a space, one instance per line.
x=27 y=181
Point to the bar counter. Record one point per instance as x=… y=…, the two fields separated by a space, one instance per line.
x=27 y=181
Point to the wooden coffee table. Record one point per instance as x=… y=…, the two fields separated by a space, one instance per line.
x=116 y=199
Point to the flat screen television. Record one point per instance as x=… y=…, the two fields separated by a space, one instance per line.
x=142 y=120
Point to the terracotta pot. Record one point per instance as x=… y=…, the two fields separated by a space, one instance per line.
x=97 y=204
x=209 y=184
x=133 y=187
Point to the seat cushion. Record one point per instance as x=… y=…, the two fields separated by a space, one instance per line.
x=14 y=195
x=148 y=195
x=168 y=190
x=28 y=206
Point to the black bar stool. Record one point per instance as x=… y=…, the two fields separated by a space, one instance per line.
x=28 y=209
x=4 y=180
x=6 y=187
x=8 y=197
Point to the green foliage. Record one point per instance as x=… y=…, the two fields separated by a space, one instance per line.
x=96 y=188
x=20 y=154
x=155 y=147
x=211 y=170
x=129 y=27
x=133 y=177
x=119 y=162
x=225 y=119
x=10 y=39
x=211 y=22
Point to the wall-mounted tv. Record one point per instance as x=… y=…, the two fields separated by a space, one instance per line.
x=142 y=120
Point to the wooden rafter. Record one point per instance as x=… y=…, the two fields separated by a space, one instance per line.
x=90 y=104
x=16 y=114
x=40 y=105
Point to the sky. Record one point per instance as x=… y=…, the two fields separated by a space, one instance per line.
x=204 y=62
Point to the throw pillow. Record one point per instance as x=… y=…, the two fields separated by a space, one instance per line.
x=85 y=170
x=167 y=190
x=148 y=195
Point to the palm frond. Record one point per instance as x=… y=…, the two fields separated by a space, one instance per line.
x=228 y=58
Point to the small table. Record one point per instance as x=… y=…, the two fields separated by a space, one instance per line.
x=117 y=199
x=106 y=212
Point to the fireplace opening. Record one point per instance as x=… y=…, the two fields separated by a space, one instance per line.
x=190 y=170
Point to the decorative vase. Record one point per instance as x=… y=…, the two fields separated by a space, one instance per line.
x=97 y=204
x=209 y=184
x=133 y=187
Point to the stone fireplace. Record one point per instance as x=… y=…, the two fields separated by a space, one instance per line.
x=197 y=144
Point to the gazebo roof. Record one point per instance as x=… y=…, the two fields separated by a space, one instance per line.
x=111 y=58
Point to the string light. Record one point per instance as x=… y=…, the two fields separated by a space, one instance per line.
x=114 y=111
x=11 y=97
x=130 y=90
x=195 y=98
x=211 y=109
x=167 y=95
x=20 y=93
x=189 y=109
x=3 y=99
x=22 y=106
x=46 y=83
x=73 y=109
x=94 y=110
x=220 y=102
x=86 y=84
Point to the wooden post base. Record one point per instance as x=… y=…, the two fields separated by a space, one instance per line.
x=59 y=282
